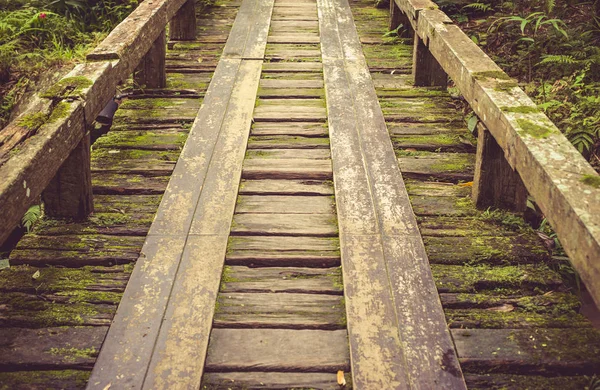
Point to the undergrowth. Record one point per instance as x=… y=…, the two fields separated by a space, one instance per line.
x=37 y=35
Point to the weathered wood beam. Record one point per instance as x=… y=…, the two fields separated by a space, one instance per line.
x=562 y=182
x=427 y=72
x=495 y=182
x=151 y=71
x=69 y=194
x=183 y=24
x=397 y=18
x=134 y=36
x=72 y=104
x=382 y=253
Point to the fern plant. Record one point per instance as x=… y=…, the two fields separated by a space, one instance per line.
x=33 y=214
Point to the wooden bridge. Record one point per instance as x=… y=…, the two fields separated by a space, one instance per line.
x=285 y=194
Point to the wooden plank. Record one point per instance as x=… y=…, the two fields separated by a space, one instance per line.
x=248 y=36
x=278 y=350
x=285 y=187
x=218 y=199
x=178 y=356
x=50 y=348
x=294 y=84
x=280 y=311
x=176 y=211
x=282 y=113
x=303 y=129
x=292 y=67
x=322 y=155
x=285 y=204
x=381 y=227
x=282 y=280
x=287 y=142
x=322 y=225
x=272 y=380
x=125 y=354
x=282 y=244
x=273 y=168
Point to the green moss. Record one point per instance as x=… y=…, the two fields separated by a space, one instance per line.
x=70 y=87
x=480 y=278
x=499 y=75
x=506 y=86
x=71 y=354
x=533 y=129
x=489 y=319
x=591 y=180
x=44 y=379
x=60 y=111
x=458 y=163
x=464 y=203
x=33 y=121
x=521 y=109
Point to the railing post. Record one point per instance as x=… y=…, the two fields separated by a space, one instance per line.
x=183 y=24
x=495 y=182
x=69 y=194
x=151 y=70
x=397 y=18
x=426 y=70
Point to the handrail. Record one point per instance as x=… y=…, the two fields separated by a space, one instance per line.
x=59 y=117
x=563 y=183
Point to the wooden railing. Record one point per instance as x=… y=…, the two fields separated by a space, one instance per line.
x=519 y=149
x=46 y=150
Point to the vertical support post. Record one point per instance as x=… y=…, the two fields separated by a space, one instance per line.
x=495 y=182
x=69 y=194
x=151 y=70
x=426 y=70
x=397 y=18
x=183 y=24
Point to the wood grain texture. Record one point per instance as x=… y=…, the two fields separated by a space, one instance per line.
x=278 y=350
x=379 y=225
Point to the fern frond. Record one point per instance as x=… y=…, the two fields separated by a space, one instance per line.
x=557 y=59
x=550 y=5
x=481 y=7
x=32 y=215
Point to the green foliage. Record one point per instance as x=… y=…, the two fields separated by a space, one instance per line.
x=36 y=35
x=33 y=214
x=574 y=106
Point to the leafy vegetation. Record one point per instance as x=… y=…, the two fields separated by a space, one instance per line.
x=552 y=47
x=36 y=35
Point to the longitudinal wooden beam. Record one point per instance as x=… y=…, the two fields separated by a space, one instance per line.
x=174 y=285
x=397 y=330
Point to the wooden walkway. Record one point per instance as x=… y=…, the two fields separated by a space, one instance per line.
x=314 y=222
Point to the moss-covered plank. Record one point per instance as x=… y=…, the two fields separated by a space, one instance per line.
x=51 y=280
x=529 y=382
x=521 y=279
x=39 y=311
x=50 y=348
x=110 y=159
x=446 y=166
x=535 y=351
x=486 y=250
x=160 y=140
x=42 y=380
x=128 y=184
x=517 y=319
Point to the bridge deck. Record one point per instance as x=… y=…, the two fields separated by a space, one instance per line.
x=286 y=232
